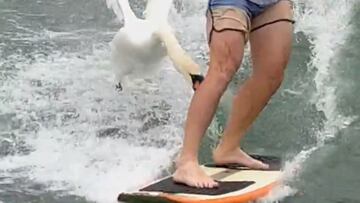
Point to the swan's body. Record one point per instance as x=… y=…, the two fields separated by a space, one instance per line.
x=137 y=54
x=139 y=46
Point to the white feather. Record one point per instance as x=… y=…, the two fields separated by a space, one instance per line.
x=139 y=46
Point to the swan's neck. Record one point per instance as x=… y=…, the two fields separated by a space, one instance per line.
x=182 y=61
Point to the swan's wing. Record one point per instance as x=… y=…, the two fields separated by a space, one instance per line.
x=158 y=10
x=122 y=10
x=115 y=7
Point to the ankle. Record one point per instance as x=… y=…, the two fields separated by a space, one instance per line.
x=230 y=141
x=224 y=148
x=186 y=159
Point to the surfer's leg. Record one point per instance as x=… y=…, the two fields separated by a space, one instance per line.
x=226 y=53
x=270 y=50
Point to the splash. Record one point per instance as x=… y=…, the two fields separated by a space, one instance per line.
x=328 y=32
x=327 y=26
x=70 y=130
x=82 y=136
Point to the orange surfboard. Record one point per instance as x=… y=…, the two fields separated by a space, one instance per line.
x=237 y=184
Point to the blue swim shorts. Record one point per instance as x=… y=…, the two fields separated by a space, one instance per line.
x=252 y=7
x=246 y=15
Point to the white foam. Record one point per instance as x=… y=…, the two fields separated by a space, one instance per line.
x=63 y=101
x=327 y=25
x=95 y=168
x=68 y=153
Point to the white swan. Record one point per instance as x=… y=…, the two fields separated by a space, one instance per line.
x=141 y=44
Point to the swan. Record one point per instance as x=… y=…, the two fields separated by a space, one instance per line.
x=141 y=44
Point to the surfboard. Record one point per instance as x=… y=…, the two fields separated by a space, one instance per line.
x=237 y=183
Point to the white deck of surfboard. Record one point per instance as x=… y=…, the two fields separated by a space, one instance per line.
x=261 y=178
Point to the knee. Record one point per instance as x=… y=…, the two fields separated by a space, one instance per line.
x=272 y=78
x=221 y=76
x=224 y=68
x=276 y=79
x=226 y=53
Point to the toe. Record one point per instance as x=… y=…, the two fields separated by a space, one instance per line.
x=215 y=184
x=262 y=165
x=198 y=185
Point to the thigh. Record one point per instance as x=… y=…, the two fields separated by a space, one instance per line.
x=227 y=30
x=271 y=45
x=226 y=52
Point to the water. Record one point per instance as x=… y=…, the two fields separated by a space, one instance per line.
x=67 y=136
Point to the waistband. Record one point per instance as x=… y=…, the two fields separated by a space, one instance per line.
x=252 y=8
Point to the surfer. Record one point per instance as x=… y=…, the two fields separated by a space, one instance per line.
x=267 y=25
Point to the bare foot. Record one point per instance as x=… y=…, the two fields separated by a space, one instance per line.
x=237 y=156
x=191 y=174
